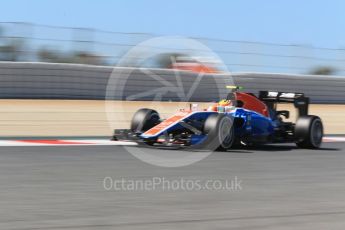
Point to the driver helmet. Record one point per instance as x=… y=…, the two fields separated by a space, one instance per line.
x=224 y=102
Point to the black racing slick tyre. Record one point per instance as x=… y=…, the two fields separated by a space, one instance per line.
x=144 y=119
x=308 y=132
x=220 y=132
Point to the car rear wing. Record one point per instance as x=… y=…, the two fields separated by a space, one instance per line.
x=300 y=102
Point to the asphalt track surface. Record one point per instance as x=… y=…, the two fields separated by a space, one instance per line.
x=58 y=187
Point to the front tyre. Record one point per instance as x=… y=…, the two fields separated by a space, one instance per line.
x=309 y=132
x=220 y=132
x=144 y=119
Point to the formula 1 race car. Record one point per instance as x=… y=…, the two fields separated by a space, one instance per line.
x=240 y=119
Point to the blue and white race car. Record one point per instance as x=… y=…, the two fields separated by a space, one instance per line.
x=240 y=119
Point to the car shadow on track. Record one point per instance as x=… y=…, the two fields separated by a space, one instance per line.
x=273 y=148
x=243 y=149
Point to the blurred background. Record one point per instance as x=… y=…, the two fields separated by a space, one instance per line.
x=270 y=45
x=29 y=42
x=274 y=36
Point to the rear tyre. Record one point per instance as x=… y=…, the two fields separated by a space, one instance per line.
x=309 y=132
x=220 y=132
x=144 y=119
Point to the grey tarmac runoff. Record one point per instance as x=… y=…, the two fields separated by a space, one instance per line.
x=61 y=186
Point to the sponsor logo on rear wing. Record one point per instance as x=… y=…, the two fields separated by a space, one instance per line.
x=279 y=96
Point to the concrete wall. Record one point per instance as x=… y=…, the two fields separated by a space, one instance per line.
x=71 y=81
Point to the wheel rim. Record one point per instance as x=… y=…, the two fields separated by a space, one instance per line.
x=316 y=133
x=225 y=132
